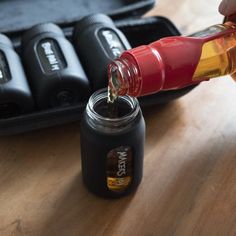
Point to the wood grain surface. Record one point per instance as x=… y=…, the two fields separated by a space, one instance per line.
x=189 y=183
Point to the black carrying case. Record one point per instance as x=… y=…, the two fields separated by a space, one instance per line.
x=17 y=16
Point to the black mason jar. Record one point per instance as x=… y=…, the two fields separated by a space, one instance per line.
x=112 y=149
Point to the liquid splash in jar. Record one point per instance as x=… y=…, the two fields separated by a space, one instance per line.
x=111 y=103
x=112 y=95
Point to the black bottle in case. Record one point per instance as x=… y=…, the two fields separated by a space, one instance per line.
x=112 y=149
x=128 y=14
x=15 y=94
x=54 y=71
x=98 y=42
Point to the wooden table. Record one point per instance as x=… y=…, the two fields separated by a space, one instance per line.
x=189 y=183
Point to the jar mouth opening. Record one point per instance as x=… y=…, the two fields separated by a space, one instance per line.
x=101 y=95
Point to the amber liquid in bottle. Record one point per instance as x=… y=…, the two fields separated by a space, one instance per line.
x=218 y=57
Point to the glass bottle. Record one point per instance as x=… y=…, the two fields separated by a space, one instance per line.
x=175 y=62
x=112 y=147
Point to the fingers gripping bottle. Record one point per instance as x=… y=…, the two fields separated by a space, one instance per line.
x=175 y=62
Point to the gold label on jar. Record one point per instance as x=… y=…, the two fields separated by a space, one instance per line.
x=119 y=168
